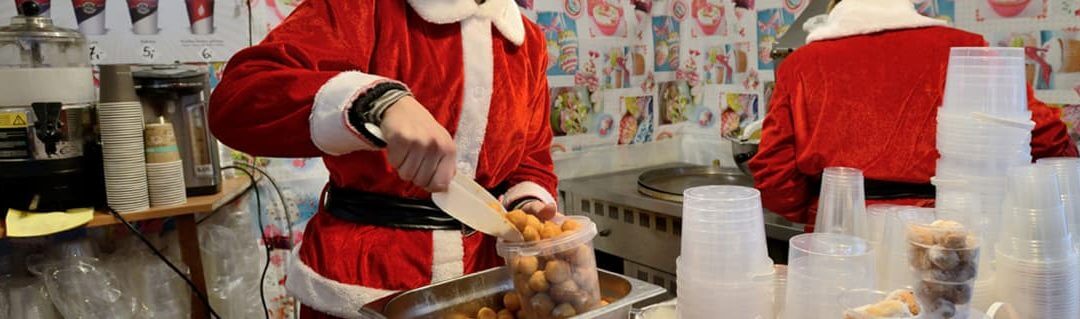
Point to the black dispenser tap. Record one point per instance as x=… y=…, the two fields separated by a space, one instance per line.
x=48 y=126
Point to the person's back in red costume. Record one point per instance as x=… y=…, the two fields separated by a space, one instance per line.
x=870 y=102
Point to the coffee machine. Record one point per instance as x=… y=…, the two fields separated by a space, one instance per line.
x=178 y=94
x=49 y=157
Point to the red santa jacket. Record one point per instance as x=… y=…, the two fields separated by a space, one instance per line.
x=857 y=97
x=479 y=70
x=287 y=97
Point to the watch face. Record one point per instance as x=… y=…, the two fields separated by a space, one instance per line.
x=375 y=132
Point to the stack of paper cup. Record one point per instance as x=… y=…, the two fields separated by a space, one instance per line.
x=164 y=168
x=1068 y=172
x=724 y=265
x=121 y=119
x=984 y=129
x=1038 y=267
x=821 y=266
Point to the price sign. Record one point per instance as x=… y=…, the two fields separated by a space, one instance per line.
x=207 y=54
x=149 y=53
x=97 y=54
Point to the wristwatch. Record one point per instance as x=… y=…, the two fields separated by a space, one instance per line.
x=366 y=112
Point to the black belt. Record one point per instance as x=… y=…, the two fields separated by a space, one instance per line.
x=388 y=211
x=883 y=190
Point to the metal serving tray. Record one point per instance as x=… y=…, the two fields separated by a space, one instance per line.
x=466 y=295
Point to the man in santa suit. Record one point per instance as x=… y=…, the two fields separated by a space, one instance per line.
x=396 y=96
x=864 y=93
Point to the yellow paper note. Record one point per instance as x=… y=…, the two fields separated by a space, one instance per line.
x=27 y=224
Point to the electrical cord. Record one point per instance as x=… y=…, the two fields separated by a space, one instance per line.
x=281 y=197
x=262 y=235
x=202 y=297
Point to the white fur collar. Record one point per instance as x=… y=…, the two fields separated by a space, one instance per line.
x=855 y=17
x=504 y=14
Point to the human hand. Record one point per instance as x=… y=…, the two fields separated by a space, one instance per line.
x=417 y=146
x=541 y=210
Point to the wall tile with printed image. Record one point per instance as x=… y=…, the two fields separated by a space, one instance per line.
x=939 y=9
x=1060 y=55
x=666 y=43
x=561 y=34
x=990 y=10
x=771 y=24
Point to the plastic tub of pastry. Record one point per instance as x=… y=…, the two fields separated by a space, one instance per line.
x=555 y=275
x=944 y=256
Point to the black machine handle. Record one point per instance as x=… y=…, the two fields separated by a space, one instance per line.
x=29 y=8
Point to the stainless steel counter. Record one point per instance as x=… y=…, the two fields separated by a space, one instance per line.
x=644 y=232
x=622 y=188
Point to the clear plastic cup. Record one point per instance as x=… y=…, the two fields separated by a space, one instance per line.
x=721 y=203
x=27 y=298
x=945 y=259
x=701 y=295
x=966 y=121
x=724 y=232
x=988 y=80
x=820 y=267
x=876 y=217
x=1037 y=235
x=971 y=169
x=892 y=258
x=82 y=288
x=1040 y=289
x=856 y=301
x=1034 y=187
x=552 y=272
x=1068 y=172
x=842 y=203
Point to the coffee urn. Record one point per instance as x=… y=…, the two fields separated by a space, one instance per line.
x=178 y=94
x=49 y=158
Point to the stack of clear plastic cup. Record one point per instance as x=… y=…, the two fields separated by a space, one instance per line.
x=985 y=79
x=893 y=271
x=876 y=217
x=724 y=254
x=1038 y=267
x=1068 y=171
x=842 y=203
x=984 y=129
x=821 y=266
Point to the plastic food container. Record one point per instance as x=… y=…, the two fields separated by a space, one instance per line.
x=555 y=277
x=945 y=258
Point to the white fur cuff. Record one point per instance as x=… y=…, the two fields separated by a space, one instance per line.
x=869 y=16
x=325 y=294
x=527 y=189
x=448 y=258
x=329 y=119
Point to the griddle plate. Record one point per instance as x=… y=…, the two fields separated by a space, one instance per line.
x=669 y=183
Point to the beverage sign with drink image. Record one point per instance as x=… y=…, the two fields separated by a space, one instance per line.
x=122 y=32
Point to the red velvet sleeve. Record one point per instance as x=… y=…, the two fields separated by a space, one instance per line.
x=266 y=96
x=783 y=188
x=537 y=165
x=1050 y=138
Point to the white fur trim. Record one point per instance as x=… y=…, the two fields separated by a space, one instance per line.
x=479 y=68
x=448 y=260
x=503 y=13
x=527 y=189
x=329 y=119
x=325 y=294
x=855 y=17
